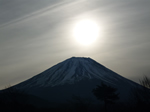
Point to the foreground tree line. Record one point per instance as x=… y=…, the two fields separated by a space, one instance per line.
x=10 y=100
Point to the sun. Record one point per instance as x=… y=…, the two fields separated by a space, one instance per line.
x=86 y=32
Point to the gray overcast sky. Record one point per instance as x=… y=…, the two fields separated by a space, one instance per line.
x=37 y=34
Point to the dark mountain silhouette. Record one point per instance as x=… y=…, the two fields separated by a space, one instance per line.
x=76 y=77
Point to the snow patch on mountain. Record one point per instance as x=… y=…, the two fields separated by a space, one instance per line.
x=73 y=70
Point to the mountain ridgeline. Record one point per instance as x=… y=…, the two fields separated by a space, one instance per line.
x=74 y=79
x=74 y=70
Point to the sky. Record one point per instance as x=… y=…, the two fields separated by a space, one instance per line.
x=37 y=34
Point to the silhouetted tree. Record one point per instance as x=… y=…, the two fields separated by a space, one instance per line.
x=141 y=98
x=145 y=82
x=106 y=94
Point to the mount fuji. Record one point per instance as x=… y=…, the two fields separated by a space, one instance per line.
x=76 y=76
x=74 y=70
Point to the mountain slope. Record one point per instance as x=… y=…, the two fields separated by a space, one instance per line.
x=72 y=70
x=76 y=76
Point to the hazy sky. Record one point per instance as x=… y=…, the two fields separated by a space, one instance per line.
x=37 y=34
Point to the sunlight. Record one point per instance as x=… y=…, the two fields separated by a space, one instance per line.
x=86 y=32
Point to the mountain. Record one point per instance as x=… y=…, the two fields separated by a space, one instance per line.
x=75 y=78
x=74 y=70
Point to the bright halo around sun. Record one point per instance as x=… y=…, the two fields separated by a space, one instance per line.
x=86 y=32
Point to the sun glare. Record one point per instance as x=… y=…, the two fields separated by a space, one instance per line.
x=86 y=32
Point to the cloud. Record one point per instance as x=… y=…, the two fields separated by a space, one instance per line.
x=36 y=34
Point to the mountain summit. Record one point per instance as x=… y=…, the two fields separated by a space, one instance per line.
x=76 y=76
x=73 y=70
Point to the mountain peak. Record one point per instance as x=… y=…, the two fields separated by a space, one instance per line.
x=73 y=70
x=79 y=58
x=75 y=76
x=81 y=61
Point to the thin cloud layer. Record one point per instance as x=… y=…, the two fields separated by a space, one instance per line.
x=36 y=34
